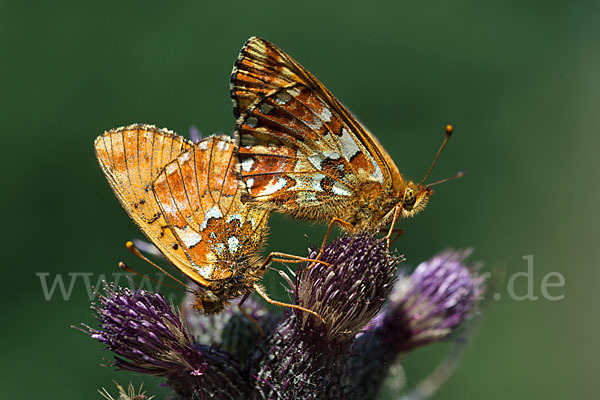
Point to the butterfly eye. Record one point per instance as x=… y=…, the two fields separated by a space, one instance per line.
x=409 y=199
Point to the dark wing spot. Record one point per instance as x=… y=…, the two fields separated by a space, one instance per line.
x=162 y=230
x=154 y=218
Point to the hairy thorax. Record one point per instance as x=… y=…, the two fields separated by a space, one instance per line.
x=371 y=210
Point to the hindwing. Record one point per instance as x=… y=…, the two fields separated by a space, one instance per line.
x=199 y=197
x=299 y=147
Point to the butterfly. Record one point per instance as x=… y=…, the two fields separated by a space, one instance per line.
x=301 y=152
x=185 y=198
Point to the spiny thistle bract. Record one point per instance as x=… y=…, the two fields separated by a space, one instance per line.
x=344 y=356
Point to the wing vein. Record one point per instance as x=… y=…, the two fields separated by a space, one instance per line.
x=225 y=175
x=191 y=206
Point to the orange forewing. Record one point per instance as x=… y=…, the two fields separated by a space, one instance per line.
x=131 y=157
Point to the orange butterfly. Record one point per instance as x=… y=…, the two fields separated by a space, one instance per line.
x=303 y=153
x=186 y=200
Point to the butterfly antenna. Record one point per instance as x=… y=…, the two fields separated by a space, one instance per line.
x=459 y=174
x=131 y=247
x=449 y=130
x=129 y=269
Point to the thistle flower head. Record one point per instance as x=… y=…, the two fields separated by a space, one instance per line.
x=305 y=357
x=145 y=331
x=431 y=303
x=148 y=336
x=348 y=292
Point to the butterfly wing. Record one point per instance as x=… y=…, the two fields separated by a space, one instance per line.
x=262 y=72
x=296 y=152
x=131 y=158
x=262 y=68
x=199 y=196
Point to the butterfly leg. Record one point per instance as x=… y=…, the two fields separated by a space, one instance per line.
x=264 y=295
x=398 y=232
x=290 y=259
x=334 y=220
x=250 y=317
x=397 y=211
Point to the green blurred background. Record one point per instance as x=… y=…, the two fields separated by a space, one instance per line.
x=519 y=80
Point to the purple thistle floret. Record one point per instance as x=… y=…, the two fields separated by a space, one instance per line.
x=350 y=292
x=426 y=306
x=431 y=303
x=149 y=337
x=306 y=358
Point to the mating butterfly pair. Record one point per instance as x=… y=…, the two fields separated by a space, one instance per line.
x=298 y=150
x=186 y=199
